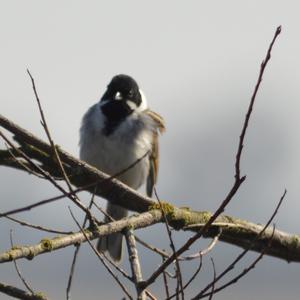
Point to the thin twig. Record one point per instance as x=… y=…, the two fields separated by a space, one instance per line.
x=250 y=108
x=72 y=193
x=195 y=273
x=190 y=280
x=18 y=270
x=165 y=279
x=238 y=179
x=101 y=259
x=44 y=173
x=134 y=263
x=72 y=270
x=74 y=198
x=243 y=253
x=203 y=252
x=125 y=274
x=117 y=267
x=38 y=227
x=173 y=276
x=82 y=175
x=200 y=256
x=75 y=191
x=191 y=240
x=108 y=216
x=178 y=270
x=161 y=252
x=214 y=278
x=243 y=273
x=22 y=164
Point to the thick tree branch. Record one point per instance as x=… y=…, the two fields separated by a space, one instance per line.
x=234 y=231
x=80 y=174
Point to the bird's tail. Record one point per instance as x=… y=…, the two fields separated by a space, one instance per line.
x=113 y=243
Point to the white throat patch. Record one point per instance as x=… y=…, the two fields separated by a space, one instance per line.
x=144 y=104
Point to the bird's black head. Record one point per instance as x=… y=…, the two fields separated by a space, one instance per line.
x=121 y=98
x=123 y=87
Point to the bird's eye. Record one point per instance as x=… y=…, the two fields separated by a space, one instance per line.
x=130 y=93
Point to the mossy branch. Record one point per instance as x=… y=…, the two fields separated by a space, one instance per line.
x=234 y=231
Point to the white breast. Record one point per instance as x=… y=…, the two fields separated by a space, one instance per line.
x=130 y=141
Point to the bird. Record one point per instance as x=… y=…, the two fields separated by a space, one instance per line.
x=117 y=132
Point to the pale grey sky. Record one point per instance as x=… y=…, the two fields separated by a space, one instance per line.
x=197 y=62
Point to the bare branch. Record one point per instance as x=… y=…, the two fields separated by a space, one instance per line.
x=45 y=174
x=203 y=252
x=102 y=259
x=194 y=275
x=74 y=197
x=18 y=270
x=234 y=231
x=198 y=255
x=213 y=285
x=134 y=263
x=50 y=162
x=37 y=227
x=178 y=270
x=72 y=270
x=237 y=183
x=20 y=294
x=82 y=175
x=260 y=235
x=23 y=164
x=165 y=279
x=250 y=108
x=239 y=276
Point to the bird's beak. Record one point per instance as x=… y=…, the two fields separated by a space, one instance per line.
x=118 y=96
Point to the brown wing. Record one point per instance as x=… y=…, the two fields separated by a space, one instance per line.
x=154 y=155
